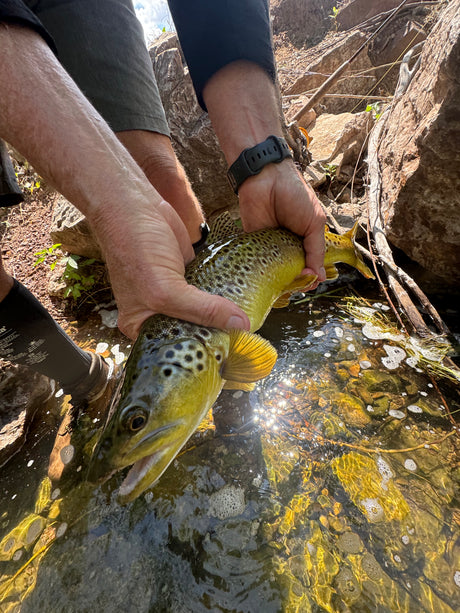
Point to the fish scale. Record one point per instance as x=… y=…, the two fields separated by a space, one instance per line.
x=177 y=369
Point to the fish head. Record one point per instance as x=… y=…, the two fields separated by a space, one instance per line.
x=167 y=390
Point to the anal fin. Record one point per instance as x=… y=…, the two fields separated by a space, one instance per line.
x=300 y=284
x=238 y=385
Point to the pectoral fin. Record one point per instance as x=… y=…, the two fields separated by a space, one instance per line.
x=300 y=284
x=250 y=358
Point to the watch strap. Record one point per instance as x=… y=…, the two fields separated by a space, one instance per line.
x=252 y=160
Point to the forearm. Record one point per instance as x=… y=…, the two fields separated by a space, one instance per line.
x=243 y=106
x=144 y=241
x=45 y=116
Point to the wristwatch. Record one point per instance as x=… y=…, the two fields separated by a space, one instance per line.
x=252 y=160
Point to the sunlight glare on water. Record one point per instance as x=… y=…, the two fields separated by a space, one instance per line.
x=331 y=486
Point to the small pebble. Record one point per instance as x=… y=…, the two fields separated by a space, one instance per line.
x=410 y=465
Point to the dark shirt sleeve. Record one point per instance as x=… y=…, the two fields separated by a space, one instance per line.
x=217 y=32
x=15 y=11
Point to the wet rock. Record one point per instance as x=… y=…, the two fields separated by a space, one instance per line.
x=420 y=158
x=22 y=392
x=351 y=409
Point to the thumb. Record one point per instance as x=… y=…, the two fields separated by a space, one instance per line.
x=208 y=310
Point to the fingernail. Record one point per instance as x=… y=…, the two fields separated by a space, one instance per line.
x=236 y=322
x=322 y=273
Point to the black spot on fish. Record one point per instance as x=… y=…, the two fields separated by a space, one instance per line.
x=169 y=353
x=199 y=354
x=167 y=372
x=200 y=367
x=218 y=357
x=188 y=358
x=178 y=346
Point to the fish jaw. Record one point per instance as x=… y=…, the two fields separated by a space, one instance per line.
x=145 y=472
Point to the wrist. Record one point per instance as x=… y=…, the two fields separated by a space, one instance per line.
x=243 y=107
x=253 y=160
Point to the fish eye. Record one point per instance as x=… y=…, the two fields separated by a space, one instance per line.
x=134 y=419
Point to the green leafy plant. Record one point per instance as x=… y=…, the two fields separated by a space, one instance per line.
x=330 y=170
x=77 y=275
x=333 y=16
x=77 y=270
x=375 y=109
x=46 y=254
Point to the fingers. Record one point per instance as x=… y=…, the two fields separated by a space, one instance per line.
x=179 y=229
x=189 y=304
x=314 y=244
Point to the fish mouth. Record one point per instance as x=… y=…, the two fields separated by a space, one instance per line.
x=148 y=439
x=102 y=467
x=146 y=471
x=143 y=474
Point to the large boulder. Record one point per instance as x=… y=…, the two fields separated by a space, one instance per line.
x=194 y=140
x=315 y=65
x=356 y=12
x=71 y=228
x=303 y=22
x=419 y=156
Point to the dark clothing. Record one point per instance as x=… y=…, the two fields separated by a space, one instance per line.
x=101 y=45
x=212 y=34
x=15 y=11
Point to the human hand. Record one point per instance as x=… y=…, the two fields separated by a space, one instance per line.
x=278 y=196
x=146 y=254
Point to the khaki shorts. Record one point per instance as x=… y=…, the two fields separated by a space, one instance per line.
x=101 y=45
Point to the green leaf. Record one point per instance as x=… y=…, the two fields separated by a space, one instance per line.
x=72 y=261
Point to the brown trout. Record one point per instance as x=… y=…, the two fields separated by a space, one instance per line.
x=176 y=369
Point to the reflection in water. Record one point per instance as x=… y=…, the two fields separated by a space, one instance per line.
x=333 y=486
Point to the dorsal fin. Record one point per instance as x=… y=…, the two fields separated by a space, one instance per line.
x=223 y=226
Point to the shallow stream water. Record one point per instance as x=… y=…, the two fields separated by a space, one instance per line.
x=333 y=486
